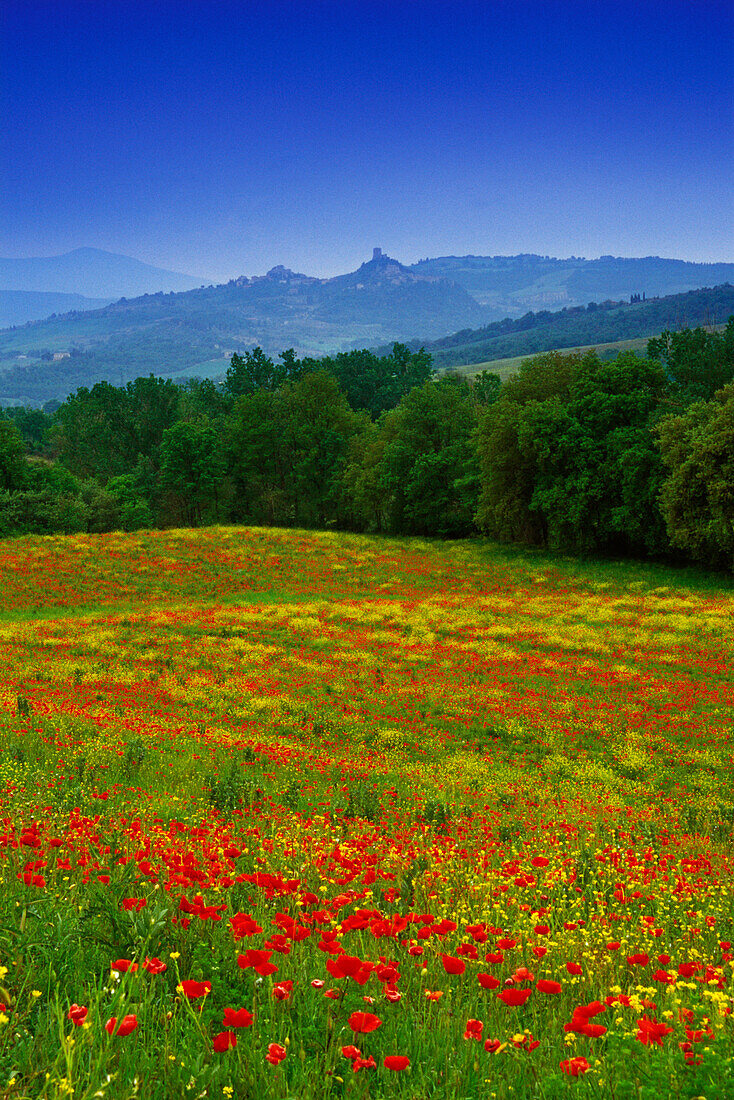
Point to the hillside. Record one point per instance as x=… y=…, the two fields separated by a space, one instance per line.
x=569 y=328
x=195 y=332
x=91 y=272
x=176 y=334
x=17 y=307
x=511 y=285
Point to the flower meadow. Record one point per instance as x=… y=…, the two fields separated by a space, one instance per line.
x=286 y=814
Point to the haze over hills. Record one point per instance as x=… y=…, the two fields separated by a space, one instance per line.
x=511 y=285
x=93 y=273
x=17 y=307
x=195 y=332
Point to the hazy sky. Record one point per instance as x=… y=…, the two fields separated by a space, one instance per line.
x=218 y=137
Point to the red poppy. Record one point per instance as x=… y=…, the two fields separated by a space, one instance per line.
x=276 y=1054
x=225 y=1040
x=651 y=1031
x=258 y=960
x=351 y=1052
x=640 y=959
x=547 y=985
x=364 y=1022
x=77 y=1014
x=575 y=1067
x=397 y=1062
x=514 y=997
x=492 y=1045
x=283 y=990
x=193 y=989
x=453 y=965
x=127 y=1024
x=237 y=1017
x=539 y=861
x=124 y=965
x=488 y=981
x=473 y=1029
x=363 y=1063
x=154 y=965
x=574 y=968
x=522 y=974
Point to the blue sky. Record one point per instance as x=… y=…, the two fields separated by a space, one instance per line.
x=219 y=137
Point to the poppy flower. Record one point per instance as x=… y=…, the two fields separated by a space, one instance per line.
x=488 y=981
x=364 y=1022
x=651 y=1032
x=473 y=1029
x=363 y=1063
x=522 y=974
x=351 y=1051
x=514 y=997
x=276 y=1054
x=258 y=960
x=539 y=861
x=77 y=1014
x=575 y=1067
x=396 y=1062
x=127 y=1024
x=237 y=1017
x=225 y=1040
x=434 y=995
x=547 y=985
x=154 y=965
x=123 y=966
x=574 y=968
x=283 y=990
x=193 y=989
x=640 y=959
x=453 y=965
x=492 y=1046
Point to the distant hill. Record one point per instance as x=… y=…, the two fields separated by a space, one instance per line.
x=579 y=326
x=509 y=286
x=92 y=273
x=19 y=306
x=195 y=332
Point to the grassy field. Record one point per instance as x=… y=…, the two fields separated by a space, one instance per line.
x=505 y=367
x=290 y=815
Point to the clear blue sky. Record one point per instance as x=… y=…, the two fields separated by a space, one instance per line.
x=219 y=137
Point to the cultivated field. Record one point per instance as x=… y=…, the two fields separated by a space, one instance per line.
x=296 y=815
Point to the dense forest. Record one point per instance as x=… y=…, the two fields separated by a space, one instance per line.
x=633 y=456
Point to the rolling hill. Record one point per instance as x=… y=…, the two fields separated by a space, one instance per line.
x=195 y=332
x=91 y=272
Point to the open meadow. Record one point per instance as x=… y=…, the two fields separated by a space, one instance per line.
x=300 y=815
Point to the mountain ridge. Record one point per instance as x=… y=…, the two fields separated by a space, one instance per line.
x=92 y=273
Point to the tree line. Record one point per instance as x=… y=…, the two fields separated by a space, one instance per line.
x=633 y=456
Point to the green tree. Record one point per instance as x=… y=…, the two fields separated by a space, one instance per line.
x=697 y=362
x=697 y=496
x=13 y=464
x=191 y=471
x=417 y=473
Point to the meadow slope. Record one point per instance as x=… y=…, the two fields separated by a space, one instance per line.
x=286 y=814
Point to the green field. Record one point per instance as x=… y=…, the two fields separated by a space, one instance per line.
x=296 y=815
